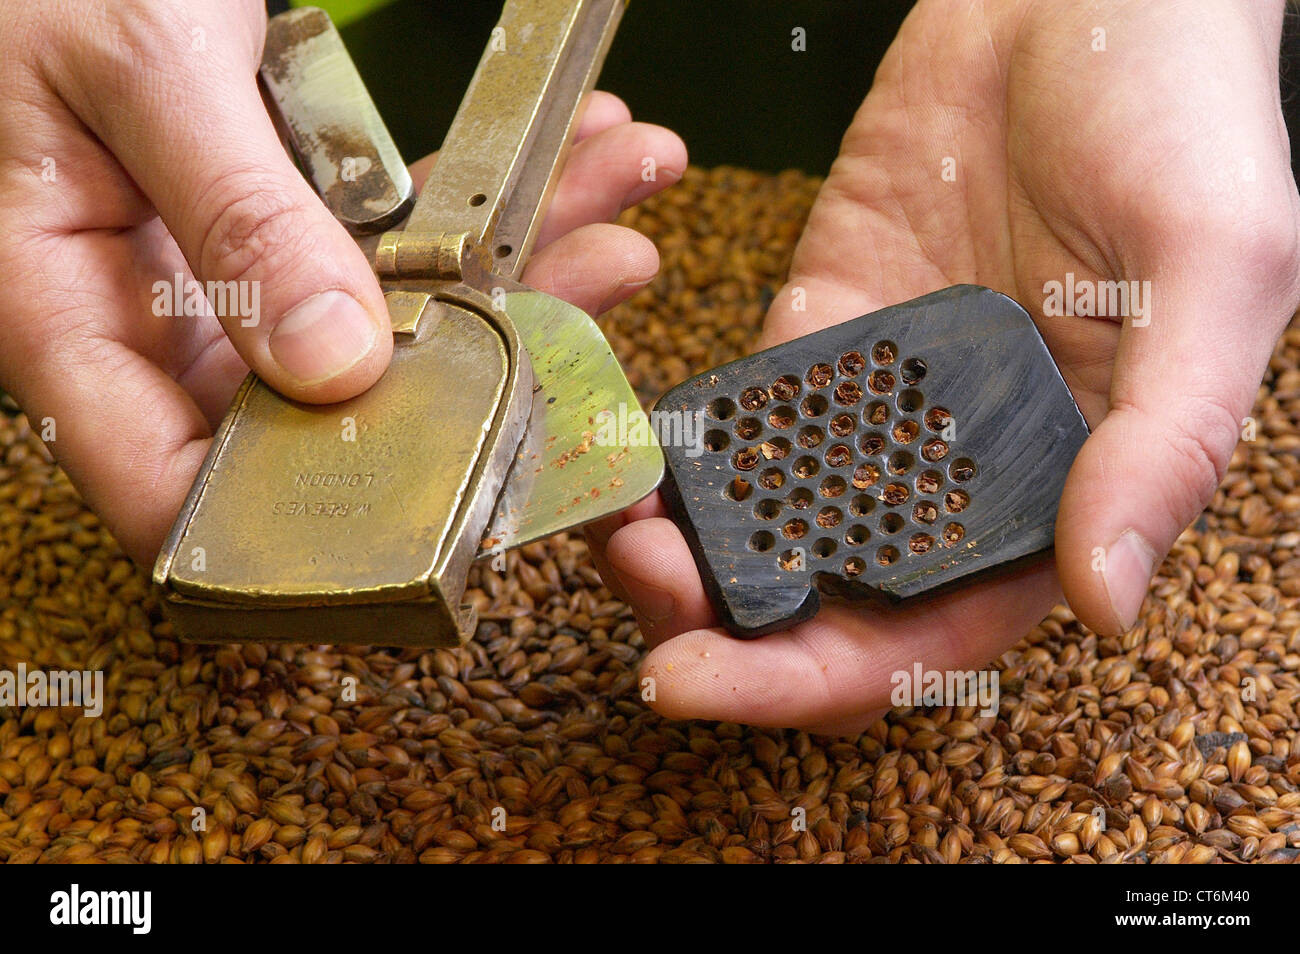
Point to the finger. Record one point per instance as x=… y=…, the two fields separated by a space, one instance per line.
x=601 y=111
x=848 y=728
x=301 y=304
x=655 y=569
x=840 y=667
x=420 y=170
x=594 y=267
x=611 y=171
x=1182 y=388
x=128 y=436
x=599 y=531
x=212 y=378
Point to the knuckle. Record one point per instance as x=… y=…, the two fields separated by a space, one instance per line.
x=127 y=40
x=1201 y=440
x=114 y=57
x=251 y=228
x=1270 y=246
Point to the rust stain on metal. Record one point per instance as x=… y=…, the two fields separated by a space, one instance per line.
x=569 y=456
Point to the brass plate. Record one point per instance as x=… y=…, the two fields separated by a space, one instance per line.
x=365 y=502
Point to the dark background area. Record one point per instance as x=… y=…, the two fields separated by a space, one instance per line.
x=719 y=72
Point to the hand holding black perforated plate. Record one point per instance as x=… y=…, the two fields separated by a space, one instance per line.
x=898 y=452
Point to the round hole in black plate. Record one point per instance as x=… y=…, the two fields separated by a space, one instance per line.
x=800 y=498
x=861 y=505
x=738 y=489
x=721 y=409
x=823 y=548
x=910 y=400
x=912 y=370
x=716 y=440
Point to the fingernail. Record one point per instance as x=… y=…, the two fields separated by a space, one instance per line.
x=663 y=178
x=322 y=337
x=654 y=603
x=672 y=176
x=1130 y=561
x=624 y=290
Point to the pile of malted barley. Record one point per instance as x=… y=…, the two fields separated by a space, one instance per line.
x=1146 y=748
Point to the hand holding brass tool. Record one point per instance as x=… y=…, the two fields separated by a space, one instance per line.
x=135 y=146
x=360 y=519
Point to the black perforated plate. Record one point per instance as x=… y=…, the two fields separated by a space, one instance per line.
x=897 y=452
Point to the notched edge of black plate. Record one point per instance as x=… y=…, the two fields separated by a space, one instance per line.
x=724 y=600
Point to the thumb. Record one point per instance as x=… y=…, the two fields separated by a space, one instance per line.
x=310 y=318
x=1185 y=379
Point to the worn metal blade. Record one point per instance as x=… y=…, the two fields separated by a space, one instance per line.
x=321 y=107
x=894 y=453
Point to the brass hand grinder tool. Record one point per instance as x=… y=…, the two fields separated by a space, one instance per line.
x=896 y=452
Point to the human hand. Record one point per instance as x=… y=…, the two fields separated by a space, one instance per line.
x=134 y=145
x=1154 y=151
